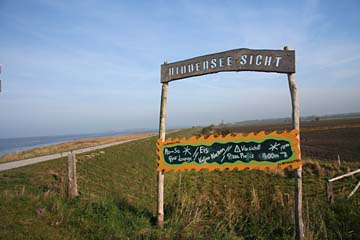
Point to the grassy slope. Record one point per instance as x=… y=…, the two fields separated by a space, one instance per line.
x=118 y=201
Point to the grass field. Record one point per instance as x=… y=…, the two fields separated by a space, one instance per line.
x=118 y=200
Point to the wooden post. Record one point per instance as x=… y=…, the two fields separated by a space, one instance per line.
x=161 y=176
x=73 y=190
x=329 y=191
x=345 y=175
x=299 y=225
x=354 y=191
x=328 y=185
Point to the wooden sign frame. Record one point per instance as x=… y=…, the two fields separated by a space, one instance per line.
x=242 y=59
x=282 y=61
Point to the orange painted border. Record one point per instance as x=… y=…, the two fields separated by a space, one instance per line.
x=291 y=136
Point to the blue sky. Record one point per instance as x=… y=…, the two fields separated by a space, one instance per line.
x=94 y=66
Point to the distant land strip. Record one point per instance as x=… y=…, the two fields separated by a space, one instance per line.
x=330 y=128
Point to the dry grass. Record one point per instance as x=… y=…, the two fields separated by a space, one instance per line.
x=68 y=146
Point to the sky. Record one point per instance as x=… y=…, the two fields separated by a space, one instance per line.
x=71 y=67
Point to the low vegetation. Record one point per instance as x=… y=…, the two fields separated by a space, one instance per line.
x=118 y=200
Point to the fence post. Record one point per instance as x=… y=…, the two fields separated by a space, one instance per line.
x=73 y=189
x=329 y=191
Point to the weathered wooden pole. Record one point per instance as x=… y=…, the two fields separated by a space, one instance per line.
x=73 y=189
x=161 y=176
x=299 y=225
x=329 y=192
x=345 y=175
x=354 y=191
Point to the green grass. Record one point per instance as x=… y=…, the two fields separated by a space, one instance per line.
x=118 y=200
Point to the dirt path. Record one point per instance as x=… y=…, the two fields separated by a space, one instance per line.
x=29 y=161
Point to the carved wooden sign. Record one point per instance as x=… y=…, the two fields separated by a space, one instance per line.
x=253 y=151
x=243 y=59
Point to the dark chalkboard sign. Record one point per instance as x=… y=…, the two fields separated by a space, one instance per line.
x=251 y=151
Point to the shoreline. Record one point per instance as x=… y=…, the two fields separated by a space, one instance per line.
x=72 y=145
x=20 y=144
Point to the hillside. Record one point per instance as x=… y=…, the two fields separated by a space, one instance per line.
x=118 y=200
